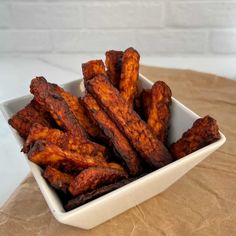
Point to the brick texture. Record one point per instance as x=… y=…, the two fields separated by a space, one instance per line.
x=25 y=41
x=202 y=14
x=223 y=41
x=174 y=41
x=4 y=16
x=152 y=26
x=92 y=41
x=123 y=15
x=46 y=16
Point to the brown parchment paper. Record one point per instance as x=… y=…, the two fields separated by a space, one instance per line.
x=203 y=202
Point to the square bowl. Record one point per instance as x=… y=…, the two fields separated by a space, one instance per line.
x=111 y=204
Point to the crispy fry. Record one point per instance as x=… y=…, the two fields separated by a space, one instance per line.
x=26 y=117
x=84 y=198
x=93 y=68
x=142 y=139
x=57 y=179
x=113 y=64
x=119 y=141
x=89 y=124
x=43 y=154
x=58 y=108
x=77 y=107
x=93 y=178
x=65 y=141
x=129 y=75
x=203 y=132
x=40 y=132
x=159 y=111
x=56 y=105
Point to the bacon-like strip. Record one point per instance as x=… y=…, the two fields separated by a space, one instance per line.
x=119 y=141
x=203 y=132
x=26 y=117
x=84 y=198
x=93 y=68
x=57 y=179
x=129 y=75
x=64 y=140
x=93 y=178
x=128 y=121
x=56 y=105
x=77 y=107
x=159 y=111
x=113 y=64
x=44 y=154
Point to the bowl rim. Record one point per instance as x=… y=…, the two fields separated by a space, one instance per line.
x=47 y=191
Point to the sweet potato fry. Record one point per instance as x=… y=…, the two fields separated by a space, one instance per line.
x=57 y=106
x=113 y=64
x=77 y=107
x=84 y=198
x=129 y=75
x=87 y=123
x=159 y=111
x=203 y=132
x=128 y=121
x=44 y=154
x=26 y=117
x=64 y=140
x=57 y=179
x=93 y=178
x=93 y=68
x=119 y=141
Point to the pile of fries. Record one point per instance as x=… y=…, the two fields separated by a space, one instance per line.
x=88 y=146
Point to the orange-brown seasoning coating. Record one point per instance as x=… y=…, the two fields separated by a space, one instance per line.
x=64 y=140
x=77 y=107
x=83 y=198
x=26 y=117
x=129 y=75
x=40 y=132
x=56 y=105
x=203 y=132
x=159 y=110
x=44 y=154
x=57 y=179
x=93 y=68
x=93 y=178
x=113 y=64
x=120 y=142
x=128 y=121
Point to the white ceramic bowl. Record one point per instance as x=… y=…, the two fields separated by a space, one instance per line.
x=104 y=208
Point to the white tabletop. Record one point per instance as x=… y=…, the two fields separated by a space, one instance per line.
x=15 y=76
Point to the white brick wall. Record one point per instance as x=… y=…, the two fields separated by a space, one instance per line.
x=223 y=41
x=202 y=14
x=92 y=40
x=115 y=14
x=152 y=26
